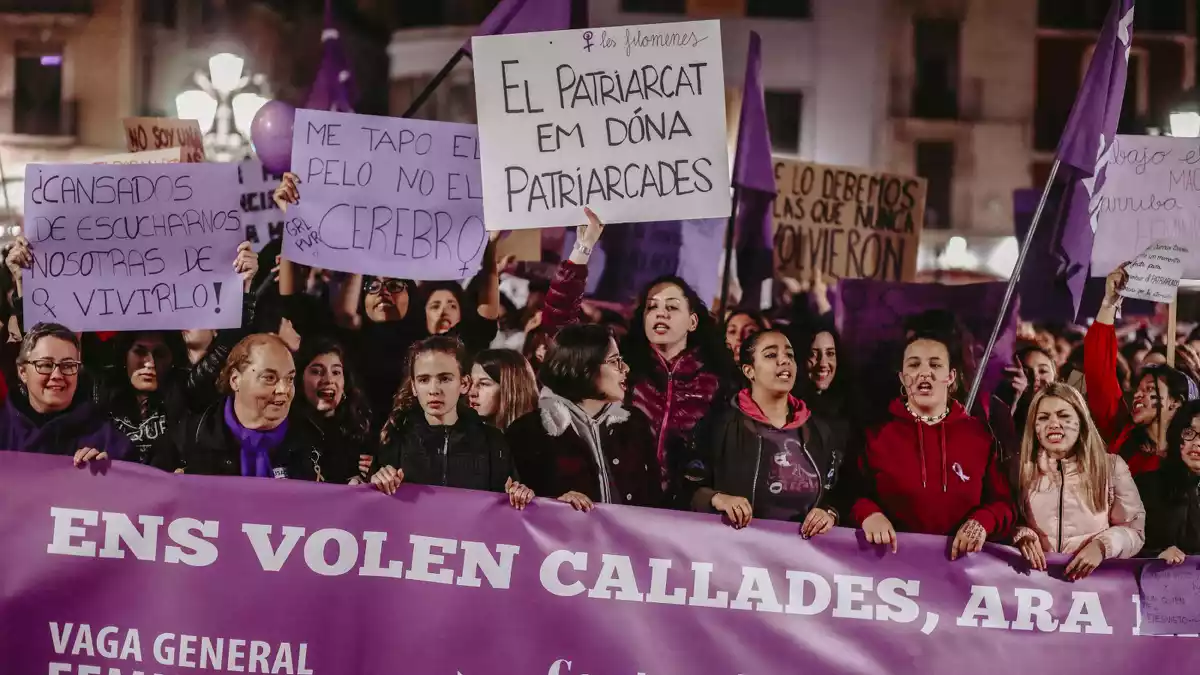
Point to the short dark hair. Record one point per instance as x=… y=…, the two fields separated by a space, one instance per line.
x=573 y=362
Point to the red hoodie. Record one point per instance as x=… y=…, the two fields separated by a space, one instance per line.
x=931 y=479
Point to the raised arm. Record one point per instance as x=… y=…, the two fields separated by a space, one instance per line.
x=1104 y=396
x=566 y=290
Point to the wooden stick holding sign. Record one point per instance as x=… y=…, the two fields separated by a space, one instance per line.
x=1172 y=322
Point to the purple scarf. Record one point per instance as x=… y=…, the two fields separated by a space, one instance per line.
x=256 y=445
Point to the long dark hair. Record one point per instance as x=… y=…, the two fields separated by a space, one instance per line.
x=114 y=390
x=353 y=415
x=1177 y=477
x=1177 y=390
x=708 y=338
x=839 y=390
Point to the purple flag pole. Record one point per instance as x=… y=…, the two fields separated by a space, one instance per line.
x=1012 y=286
x=728 y=254
x=1085 y=146
x=435 y=82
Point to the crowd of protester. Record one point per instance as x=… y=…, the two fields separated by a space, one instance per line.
x=1090 y=447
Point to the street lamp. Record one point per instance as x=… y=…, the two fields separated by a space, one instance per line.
x=224 y=105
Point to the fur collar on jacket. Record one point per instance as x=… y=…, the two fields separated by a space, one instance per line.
x=556 y=413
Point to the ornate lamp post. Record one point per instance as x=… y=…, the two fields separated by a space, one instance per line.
x=224 y=104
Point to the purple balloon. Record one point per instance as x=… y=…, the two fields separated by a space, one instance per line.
x=271 y=133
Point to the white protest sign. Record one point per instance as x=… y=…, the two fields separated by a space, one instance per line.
x=164 y=156
x=132 y=247
x=386 y=196
x=260 y=214
x=1151 y=193
x=628 y=120
x=1154 y=275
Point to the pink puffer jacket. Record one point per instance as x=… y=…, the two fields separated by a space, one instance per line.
x=1062 y=517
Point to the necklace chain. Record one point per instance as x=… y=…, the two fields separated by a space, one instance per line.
x=928 y=419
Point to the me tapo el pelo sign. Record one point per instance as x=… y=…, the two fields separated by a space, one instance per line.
x=629 y=120
x=136 y=246
x=848 y=223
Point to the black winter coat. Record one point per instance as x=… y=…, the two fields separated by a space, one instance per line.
x=203 y=445
x=468 y=454
x=1172 y=513
x=728 y=455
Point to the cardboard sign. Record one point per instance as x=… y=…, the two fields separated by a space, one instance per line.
x=1168 y=598
x=164 y=156
x=132 y=247
x=848 y=223
x=1151 y=193
x=1154 y=275
x=386 y=196
x=261 y=216
x=628 y=120
x=157 y=133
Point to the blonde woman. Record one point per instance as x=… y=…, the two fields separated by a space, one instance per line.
x=1074 y=496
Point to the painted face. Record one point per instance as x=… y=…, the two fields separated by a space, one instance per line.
x=1057 y=426
x=927 y=376
x=668 y=318
x=740 y=327
x=147 y=360
x=438 y=382
x=484 y=396
x=611 y=380
x=1150 y=397
x=774 y=366
x=50 y=388
x=822 y=361
x=385 y=299
x=325 y=383
x=442 y=312
x=1040 y=370
x=1190 y=450
x=266 y=386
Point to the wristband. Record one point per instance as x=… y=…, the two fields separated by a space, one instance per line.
x=583 y=248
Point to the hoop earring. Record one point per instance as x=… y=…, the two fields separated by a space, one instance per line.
x=903 y=393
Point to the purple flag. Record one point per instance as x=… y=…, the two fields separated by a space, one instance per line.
x=524 y=16
x=137 y=570
x=871 y=317
x=1084 y=151
x=333 y=87
x=754 y=179
x=632 y=255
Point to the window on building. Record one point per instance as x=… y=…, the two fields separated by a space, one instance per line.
x=935 y=50
x=1168 y=16
x=777 y=9
x=935 y=163
x=784 y=109
x=37 y=92
x=654 y=6
x=162 y=13
x=1132 y=120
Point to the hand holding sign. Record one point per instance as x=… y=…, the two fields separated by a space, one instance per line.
x=1154 y=275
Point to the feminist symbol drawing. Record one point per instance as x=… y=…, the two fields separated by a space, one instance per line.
x=587 y=41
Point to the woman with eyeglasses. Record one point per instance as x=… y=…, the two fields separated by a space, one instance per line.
x=143 y=390
x=49 y=415
x=248 y=432
x=582 y=445
x=1172 y=493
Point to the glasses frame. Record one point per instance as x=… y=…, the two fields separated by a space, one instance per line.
x=40 y=366
x=376 y=286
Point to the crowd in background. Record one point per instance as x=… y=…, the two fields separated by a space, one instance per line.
x=1089 y=447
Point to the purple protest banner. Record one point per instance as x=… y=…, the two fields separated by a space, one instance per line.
x=386 y=196
x=1170 y=597
x=133 y=247
x=139 y=571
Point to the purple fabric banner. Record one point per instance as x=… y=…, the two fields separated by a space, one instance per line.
x=524 y=16
x=754 y=176
x=133 y=246
x=138 y=571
